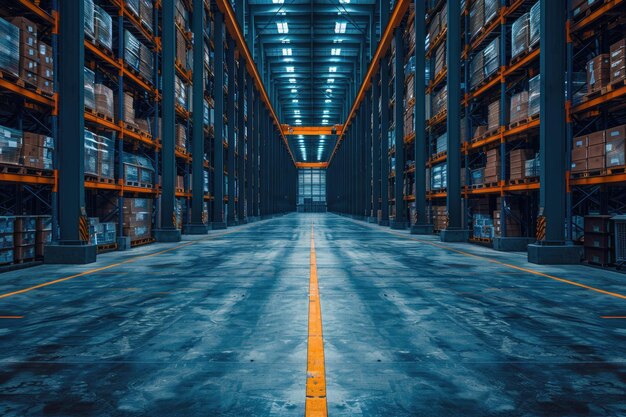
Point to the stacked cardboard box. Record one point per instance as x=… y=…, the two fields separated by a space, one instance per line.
x=132 y=48
x=101 y=233
x=128 y=110
x=409 y=126
x=493 y=116
x=46 y=69
x=598 y=73
x=7 y=230
x=478 y=176
x=37 y=151
x=146 y=63
x=180 y=182
x=43 y=234
x=138 y=169
x=482 y=226
x=9 y=48
x=99 y=155
x=104 y=100
x=492 y=169
x=438 y=22
x=29 y=51
x=477 y=16
x=520 y=35
x=588 y=152
x=535 y=24
x=181 y=136
x=615 y=148
x=618 y=61
x=181 y=49
x=439 y=177
x=518 y=158
x=477 y=74
x=181 y=15
x=24 y=238
x=439 y=216
x=519 y=107
x=440 y=101
x=137 y=218
x=598 y=240
x=441 y=143
x=10 y=145
x=103 y=27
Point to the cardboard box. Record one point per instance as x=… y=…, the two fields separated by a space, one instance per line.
x=596 y=163
x=615 y=133
x=618 y=61
x=580 y=142
x=595 y=151
x=579 y=166
x=596 y=138
x=579 y=154
x=493 y=116
x=615 y=153
x=598 y=73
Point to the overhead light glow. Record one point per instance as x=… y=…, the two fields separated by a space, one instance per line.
x=324 y=122
x=285 y=41
x=286 y=51
x=325 y=116
x=295 y=100
x=323 y=137
x=292 y=80
x=340 y=1
x=290 y=69
x=328 y=90
x=298 y=121
x=331 y=80
x=326 y=112
x=296 y=111
x=282 y=1
x=294 y=91
x=332 y=69
x=327 y=101
x=283 y=27
x=335 y=51
x=338 y=40
x=300 y=136
x=340 y=27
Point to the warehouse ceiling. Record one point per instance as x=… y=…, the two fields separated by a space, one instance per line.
x=312 y=50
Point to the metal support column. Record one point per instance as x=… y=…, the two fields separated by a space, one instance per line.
x=241 y=162
x=375 y=149
x=384 y=143
x=400 y=218
x=250 y=149
x=256 y=151
x=73 y=246
x=218 y=143
x=231 y=116
x=197 y=226
x=551 y=247
x=421 y=225
x=454 y=231
x=367 y=140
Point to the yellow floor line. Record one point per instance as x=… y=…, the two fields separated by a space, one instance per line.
x=518 y=268
x=104 y=268
x=11 y=317
x=613 y=317
x=315 y=405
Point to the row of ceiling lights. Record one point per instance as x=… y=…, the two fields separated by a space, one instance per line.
x=320 y=147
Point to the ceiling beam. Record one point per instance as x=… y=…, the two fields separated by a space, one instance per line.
x=312 y=130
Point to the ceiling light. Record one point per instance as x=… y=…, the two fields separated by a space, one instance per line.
x=296 y=111
x=300 y=136
x=325 y=116
x=335 y=51
x=294 y=100
x=340 y=27
x=340 y=1
x=292 y=80
x=298 y=121
x=286 y=51
x=294 y=91
x=323 y=137
x=327 y=101
x=283 y=27
x=282 y=1
x=285 y=41
x=332 y=69
x=331 y=80
x=328 y=90
x=324 y=122
x=325 y=111
x=337 y=40
x=290 y=69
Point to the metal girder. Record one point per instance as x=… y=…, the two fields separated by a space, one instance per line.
x=218 y=147
x=312 y=130
x=197 y=142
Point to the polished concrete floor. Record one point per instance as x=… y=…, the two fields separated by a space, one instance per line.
x=217 y=326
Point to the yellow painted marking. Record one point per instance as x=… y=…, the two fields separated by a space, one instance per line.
x=315 y=405
x=11 y=317
x=104 y=268
x=519 y=268
x=613 y=317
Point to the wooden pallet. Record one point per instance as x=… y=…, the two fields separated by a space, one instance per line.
x=485 y=135
x=523 y=121
x=144 y=241
x=438 y=155
x=12 y=78
x=523 y=55
x=481 y=239
x=527 y=180
x=131 y=128
x=107 y=247
x=105 y=117
x=586 y=174
x=616 y=170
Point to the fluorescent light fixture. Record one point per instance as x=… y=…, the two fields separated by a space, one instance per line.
x=301 y=137
x=323 y=137
x=294 y=100
x=292 y=80
x=298 y=121
x=294 y=91
x=325 y=116
x=340 y=27
x=290 y=69
x=324 y=122
x=296 y=111
x=332 y=69
x=282 y=27
x=340 y=1
x=285 y=41
x=331 y=80
x=282 y=1
x=327 y=101
x=328 y=90
x=338 y=40
x=335 y=51
x=287 y=51
x=326 y=111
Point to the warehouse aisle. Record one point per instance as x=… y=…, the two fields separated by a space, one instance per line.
x=218 y=327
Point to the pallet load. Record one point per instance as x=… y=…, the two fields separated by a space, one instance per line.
x=9 y=48
x=618 y=61
x=520 y=35
x=28 y=50
x=133 y=6
x=492 y=168
x=477 y=176
x=181 y=137
x=10 y=145
x=598 y=240
x=439 y=216
x=24 y=238
x=513 y=216
x=103 y=27
x=519 y=107
x=580 y=7
x=534 y=95
x=146 y=13
x=132 y=50
x=482 y=226
x=104 y=103
x=441 y=144
x=90 y=94
x=517 y=161
x=137 y=218
x=439 y=177
x=90 y=30
x=532 y=167
x=615 y=148
x=493 y=116
x=534 y=21
x=7 y=230
x=598 y=73
x=37 y=151
x=138 y=171
x=46 y=69
x=43 y=234
x=102 y=233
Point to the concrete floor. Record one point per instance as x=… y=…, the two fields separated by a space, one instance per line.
x=218 y=327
